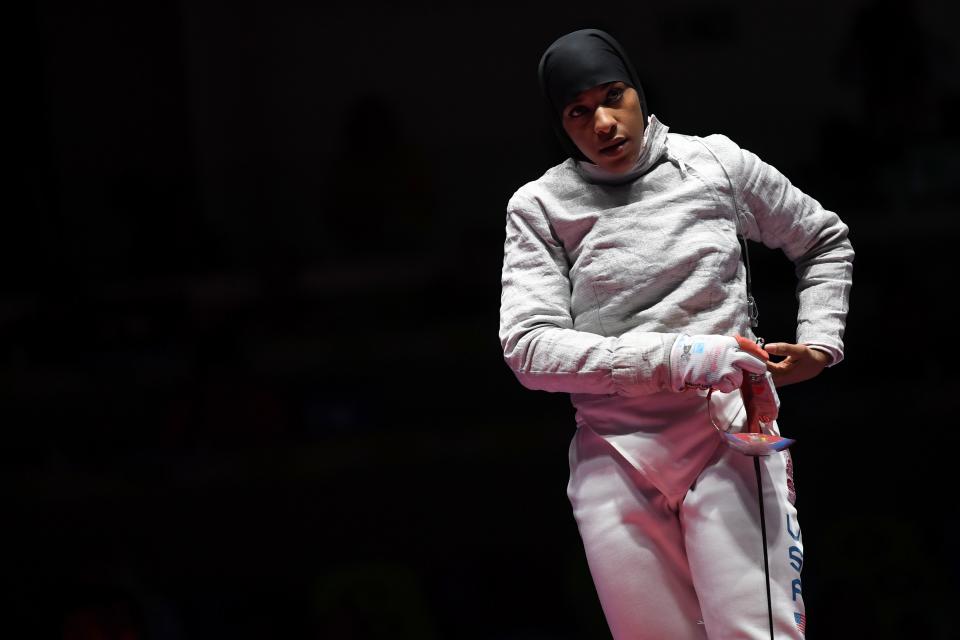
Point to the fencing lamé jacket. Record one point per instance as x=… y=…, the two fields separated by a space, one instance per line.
x=600 y=274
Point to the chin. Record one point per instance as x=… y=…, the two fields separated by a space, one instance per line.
x=621 y=165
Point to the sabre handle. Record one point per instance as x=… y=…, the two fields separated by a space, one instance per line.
x=759 y=393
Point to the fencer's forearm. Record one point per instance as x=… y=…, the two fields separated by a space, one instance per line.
x=539 y=342
x=823 y=296
x=565 y=360
x=781 y=216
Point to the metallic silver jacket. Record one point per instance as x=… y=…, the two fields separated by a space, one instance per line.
x=599 y=275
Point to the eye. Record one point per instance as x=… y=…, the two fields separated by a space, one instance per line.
x=614 y=95
x=576 y=112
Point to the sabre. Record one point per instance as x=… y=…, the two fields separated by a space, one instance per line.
x=762 y=405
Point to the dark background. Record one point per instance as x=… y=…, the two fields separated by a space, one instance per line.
x=249 y=370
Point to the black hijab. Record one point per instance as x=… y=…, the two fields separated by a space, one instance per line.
x=576 y=62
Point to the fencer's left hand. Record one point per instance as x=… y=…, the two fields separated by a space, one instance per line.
x=801 y=362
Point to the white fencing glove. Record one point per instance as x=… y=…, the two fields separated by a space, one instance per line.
x=710 y=362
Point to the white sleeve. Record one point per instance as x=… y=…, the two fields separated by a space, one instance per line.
x=782 y=217
x=536 y=328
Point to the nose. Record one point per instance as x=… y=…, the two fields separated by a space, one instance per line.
x=603 y=122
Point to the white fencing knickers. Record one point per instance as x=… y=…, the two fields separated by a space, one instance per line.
x=688 y=567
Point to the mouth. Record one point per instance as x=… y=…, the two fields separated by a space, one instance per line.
x=614 y=149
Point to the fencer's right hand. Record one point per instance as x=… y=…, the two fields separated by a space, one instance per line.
x=710 y=362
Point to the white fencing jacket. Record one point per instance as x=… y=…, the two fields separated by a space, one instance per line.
x=600 y=273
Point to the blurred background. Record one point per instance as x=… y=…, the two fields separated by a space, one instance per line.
x=250 y=378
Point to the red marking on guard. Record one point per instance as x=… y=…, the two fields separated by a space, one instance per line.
x=757 y=444
x=751 y=347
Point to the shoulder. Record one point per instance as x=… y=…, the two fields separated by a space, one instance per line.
x=552 y=185
x=715 y=155
x=714 y=146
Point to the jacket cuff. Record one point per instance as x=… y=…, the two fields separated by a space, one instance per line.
x=641 y=363
x=835 y=354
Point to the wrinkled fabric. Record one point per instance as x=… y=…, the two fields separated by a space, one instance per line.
x=598 y=279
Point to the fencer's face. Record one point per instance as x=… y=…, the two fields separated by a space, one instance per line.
x=606 y=124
